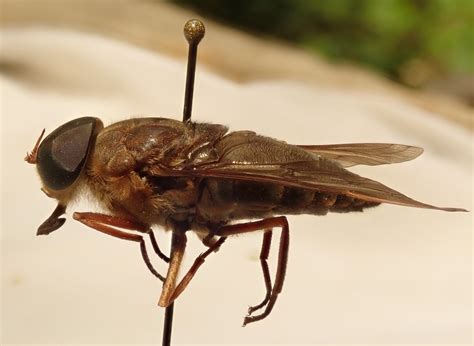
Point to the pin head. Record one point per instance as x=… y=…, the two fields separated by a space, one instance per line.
x=194 y=31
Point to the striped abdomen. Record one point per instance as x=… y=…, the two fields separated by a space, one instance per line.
x=223 y=200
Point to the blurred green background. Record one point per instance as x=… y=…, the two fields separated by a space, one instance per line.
x=415 y=42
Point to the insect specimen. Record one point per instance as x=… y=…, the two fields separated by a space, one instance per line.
x=185 y=176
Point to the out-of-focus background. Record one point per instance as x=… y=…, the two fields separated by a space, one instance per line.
x=418 y=43
x=419 y=49
x=303 y=71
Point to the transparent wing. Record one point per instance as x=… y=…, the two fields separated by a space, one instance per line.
x=370 y=154
x=244 y=155
x=310 y=176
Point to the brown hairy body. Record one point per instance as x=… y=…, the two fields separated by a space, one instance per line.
x=130 y=172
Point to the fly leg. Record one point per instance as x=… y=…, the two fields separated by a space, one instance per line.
x=178 y=245
x=266 y=224
x=107 y=224
x=172 y=291
x=155 y=246
x=264 y=252
x=192 y=271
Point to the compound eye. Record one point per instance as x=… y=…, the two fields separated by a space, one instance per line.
x=63 y=154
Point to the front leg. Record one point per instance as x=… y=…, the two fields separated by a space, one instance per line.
x=107 y=223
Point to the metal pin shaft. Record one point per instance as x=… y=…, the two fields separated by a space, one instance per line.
x=194 y=32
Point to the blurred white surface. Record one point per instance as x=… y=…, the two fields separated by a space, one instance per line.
x=388 y=275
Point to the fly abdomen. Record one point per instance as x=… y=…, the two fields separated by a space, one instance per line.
x=222 y=200
x=303 y=201
x=339 y=203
